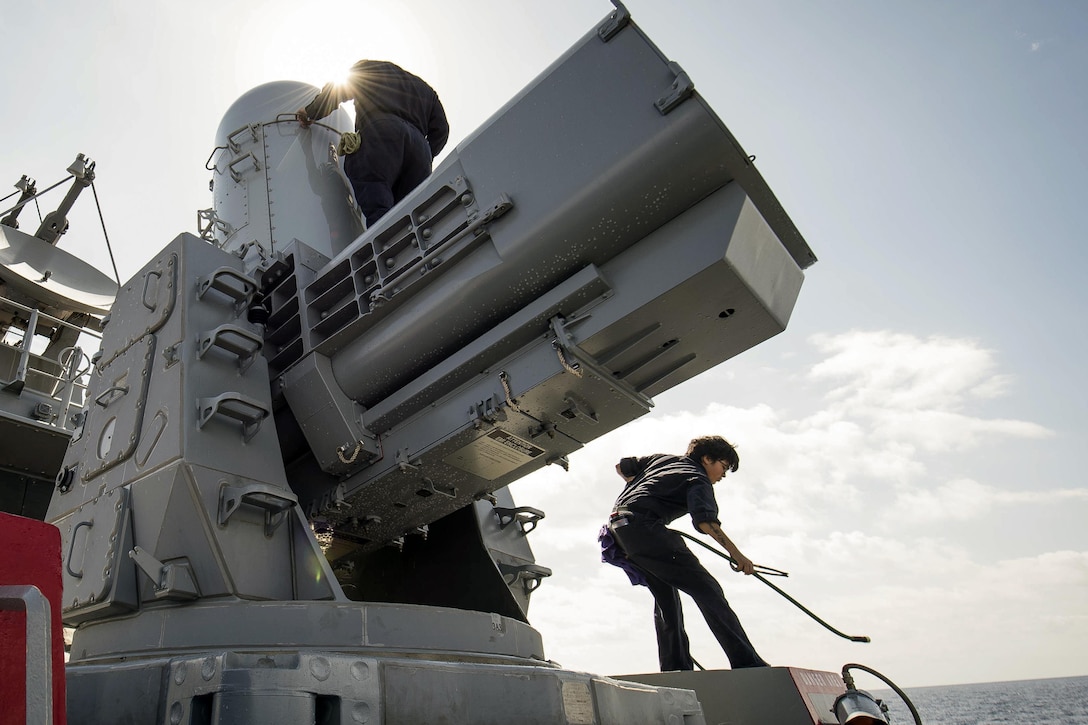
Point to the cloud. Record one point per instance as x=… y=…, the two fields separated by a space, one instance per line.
x=966 y=499
x=1034 y=46
x=914 y=390
x=841 y=489
x=901 y=371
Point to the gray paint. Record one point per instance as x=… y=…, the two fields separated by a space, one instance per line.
x=599 y=240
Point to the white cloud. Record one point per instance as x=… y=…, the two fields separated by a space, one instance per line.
x=966 y=499
x=837 y=491
x=914 y=390
x=900 y=371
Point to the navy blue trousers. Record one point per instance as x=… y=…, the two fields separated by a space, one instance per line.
x=393 y=158
x=670 y=568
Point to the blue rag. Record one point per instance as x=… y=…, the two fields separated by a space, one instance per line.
x=611 y=553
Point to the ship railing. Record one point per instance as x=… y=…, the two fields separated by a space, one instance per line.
x=62 y=379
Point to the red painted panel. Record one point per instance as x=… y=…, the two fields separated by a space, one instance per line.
x=29 y=554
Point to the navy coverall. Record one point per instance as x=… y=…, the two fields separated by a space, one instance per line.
x=401 y=125
x=665 y=488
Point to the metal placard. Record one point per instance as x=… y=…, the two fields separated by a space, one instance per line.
x=494 y=454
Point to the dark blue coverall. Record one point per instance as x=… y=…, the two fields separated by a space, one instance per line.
x=401 y=125
x=665 y=488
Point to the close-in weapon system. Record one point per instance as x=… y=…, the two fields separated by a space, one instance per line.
x=284 y=498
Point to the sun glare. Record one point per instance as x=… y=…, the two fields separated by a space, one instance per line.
x=319 y=42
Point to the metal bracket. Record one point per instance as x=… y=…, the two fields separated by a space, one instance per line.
x=233 y=144
x=404 y=462
x=235 y=174
x=561 y=461
x=429 y=488
x=233 y=405
x=173 y=580
x=577 y=408
x=616 y=22
x=214 y=223
x=680 y=91
x=530 y=575
x=526 y=517
x=488 y=412
x=575 y=356
x=65 y=478
x=101 y=399
x=274 y=500
x=236 y=340
x=218 y=281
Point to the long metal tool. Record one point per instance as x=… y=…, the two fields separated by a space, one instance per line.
x=794 y=602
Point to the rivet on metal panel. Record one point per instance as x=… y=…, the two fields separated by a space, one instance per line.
x=320 y=668
x=360 y=713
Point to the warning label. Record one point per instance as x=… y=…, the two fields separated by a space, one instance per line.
x=494 y=455
x=578 y=704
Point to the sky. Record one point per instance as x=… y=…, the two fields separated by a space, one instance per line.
x=911 y=446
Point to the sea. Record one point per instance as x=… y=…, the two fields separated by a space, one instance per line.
x=1062 y=700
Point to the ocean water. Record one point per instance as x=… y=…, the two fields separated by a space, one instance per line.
x=1060 y=701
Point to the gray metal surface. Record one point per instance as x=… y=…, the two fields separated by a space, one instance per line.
x=583 y=185
x=272 y=183
x=757 y=696
x=285 y=501
x=389 y=629
x=546 y=307
x=178 y=438
x=290 y=686
x=49 y=298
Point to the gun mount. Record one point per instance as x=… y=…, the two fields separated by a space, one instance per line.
x=286 y=499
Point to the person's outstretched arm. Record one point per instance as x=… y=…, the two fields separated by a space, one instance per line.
x=325 y=102
x=715 y=532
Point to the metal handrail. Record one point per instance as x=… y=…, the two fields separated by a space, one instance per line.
x=60 y=387
x=57 y=320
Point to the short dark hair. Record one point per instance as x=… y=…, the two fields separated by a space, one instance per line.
x=717 y=448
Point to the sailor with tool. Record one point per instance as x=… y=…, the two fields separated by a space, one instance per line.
x=661 y=488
